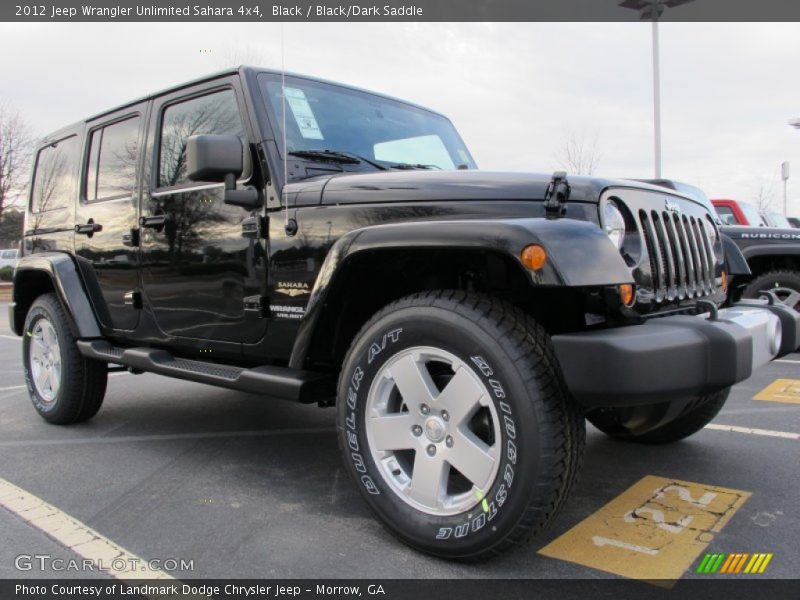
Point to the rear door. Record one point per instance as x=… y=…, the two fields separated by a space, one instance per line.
x=107 y=212
x=197 y=268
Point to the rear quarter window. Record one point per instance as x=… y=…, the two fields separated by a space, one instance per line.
x=54 y=175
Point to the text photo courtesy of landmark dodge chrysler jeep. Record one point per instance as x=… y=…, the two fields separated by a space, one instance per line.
x=308 y=241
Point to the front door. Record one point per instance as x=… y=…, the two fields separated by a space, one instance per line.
x=197 y=268
x=106 y=215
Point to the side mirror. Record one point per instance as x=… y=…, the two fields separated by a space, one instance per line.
x=219 y=158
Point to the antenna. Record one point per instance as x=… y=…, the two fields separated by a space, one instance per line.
x=283 y=116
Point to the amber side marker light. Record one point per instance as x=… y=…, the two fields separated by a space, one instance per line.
x=724 y=282
x=533 y=256
x=626 y=294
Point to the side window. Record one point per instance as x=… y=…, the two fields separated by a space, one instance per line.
x=113 y=152
x=54 y=175
x=215 y=113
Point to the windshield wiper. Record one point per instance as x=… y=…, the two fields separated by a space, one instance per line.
x=407 y=166
x=347 y=158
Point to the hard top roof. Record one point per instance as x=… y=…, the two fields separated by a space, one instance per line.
x=243 y=69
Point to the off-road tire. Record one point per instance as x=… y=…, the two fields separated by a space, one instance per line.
x=82 y=380
x=697 y=415
x=772 y=280
x=541 y=438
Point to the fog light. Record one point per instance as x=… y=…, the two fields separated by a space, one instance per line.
x=626 y=294
x=533 y=256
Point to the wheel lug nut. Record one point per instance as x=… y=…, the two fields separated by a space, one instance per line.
x=424 y=409
x=431 y=450
x=449 y=441
x=416 y=430
x=445 y=415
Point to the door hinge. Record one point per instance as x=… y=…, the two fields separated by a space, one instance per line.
x=133 y=298
x=556 y=196
x=131 y=238
x=254 y=227
x=257 y=306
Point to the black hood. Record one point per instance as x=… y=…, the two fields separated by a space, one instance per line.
x=431 y=185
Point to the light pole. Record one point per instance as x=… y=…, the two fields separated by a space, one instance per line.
x=785 y=177
x=653 y=9
x=785 y=171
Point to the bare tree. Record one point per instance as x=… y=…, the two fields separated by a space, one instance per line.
x=245 y=54
x=579 y=154
x=763 y=193
x=16 y=140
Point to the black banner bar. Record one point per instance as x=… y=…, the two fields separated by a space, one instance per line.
x=401 y=10
x=715 y=588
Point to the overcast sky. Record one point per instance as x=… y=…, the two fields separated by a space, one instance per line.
x=515 y=91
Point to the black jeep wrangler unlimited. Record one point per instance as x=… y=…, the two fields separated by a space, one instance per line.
x=308 y=241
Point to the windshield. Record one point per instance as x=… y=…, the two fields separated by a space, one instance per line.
x=326 y=117
x=751 y=214
x=779 y=220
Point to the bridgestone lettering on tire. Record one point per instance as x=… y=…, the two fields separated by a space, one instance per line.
x=455 y=423
x=64 y=386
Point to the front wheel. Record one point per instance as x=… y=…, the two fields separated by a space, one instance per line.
x=456 y=425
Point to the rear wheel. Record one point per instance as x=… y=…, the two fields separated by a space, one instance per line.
x=659 y=424
x=455 y=423
x=64 y=386
x=784 y=284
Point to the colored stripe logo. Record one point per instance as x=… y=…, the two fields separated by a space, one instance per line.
x=735 y=563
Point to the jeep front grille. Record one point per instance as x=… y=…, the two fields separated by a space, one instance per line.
x=682 y=259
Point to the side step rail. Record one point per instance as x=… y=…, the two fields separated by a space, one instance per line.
x=277 y=382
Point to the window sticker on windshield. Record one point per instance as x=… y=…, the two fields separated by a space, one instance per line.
x=303 y=115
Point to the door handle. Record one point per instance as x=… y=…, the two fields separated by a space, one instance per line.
x=156 y=222
x=89 y=228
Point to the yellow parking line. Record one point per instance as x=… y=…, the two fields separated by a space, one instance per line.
x=78 y=537
x=653 y=531
x=781 y=390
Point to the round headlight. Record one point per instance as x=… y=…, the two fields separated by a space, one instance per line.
x=614 y=223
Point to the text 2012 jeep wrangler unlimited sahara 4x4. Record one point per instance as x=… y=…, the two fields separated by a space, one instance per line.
x=278 y=234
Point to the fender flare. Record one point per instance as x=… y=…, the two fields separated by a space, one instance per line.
x=734 y=257
x=579 y=255
x=67 y=283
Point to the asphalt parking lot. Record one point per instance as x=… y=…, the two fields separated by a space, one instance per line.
x=247 y=488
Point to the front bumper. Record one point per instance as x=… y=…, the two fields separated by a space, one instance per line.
x=677 y=357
